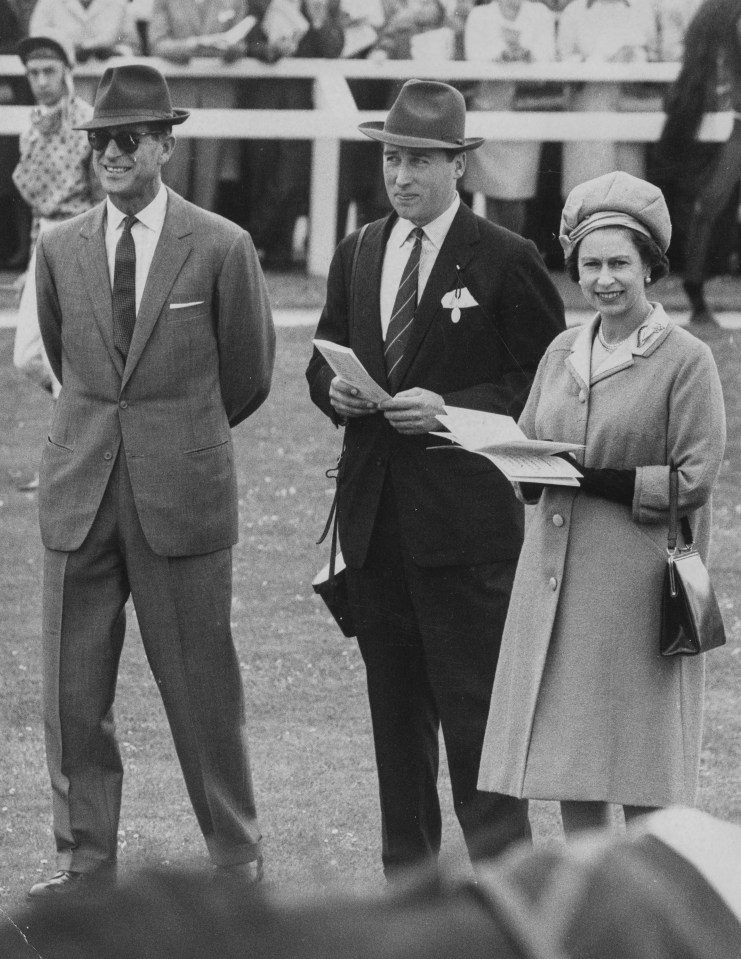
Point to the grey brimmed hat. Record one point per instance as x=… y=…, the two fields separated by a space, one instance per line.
x=133 y=93
x=615 y=199
x=427 y=114
x=51 y=44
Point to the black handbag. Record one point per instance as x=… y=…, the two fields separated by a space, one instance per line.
x=331 y=582
x=690 y=616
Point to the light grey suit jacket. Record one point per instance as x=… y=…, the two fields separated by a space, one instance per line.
x=200 y=361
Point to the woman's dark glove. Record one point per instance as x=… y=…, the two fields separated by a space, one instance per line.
x=616 y=485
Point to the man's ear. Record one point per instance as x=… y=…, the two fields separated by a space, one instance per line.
x=459 y=165
x=168 y=148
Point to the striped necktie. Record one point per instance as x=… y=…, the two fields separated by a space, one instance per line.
x=124 y=289
x=402 y=315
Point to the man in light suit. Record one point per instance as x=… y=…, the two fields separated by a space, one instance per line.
x=156 y=320
x=442 y=307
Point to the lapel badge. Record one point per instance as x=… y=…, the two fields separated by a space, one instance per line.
x=457 y=300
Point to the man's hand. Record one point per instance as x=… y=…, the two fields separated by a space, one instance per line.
x=348 y=401
x=414 y=411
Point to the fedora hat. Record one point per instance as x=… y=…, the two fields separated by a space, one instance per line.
x=427 y=114
x=133 y=93
x=51 y=44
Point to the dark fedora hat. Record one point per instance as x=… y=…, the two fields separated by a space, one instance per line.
x=133 y=93
x=427 y=114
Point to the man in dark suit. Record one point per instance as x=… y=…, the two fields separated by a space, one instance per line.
x=458 y=312
x=155 y=317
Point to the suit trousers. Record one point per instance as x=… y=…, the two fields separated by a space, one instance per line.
x=430 y=638
x=183 y=606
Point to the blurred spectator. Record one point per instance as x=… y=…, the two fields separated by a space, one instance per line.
x=415 y=30
x=95 y=28
x=360 y=21
x=603 y=31
x=702 y=178
x=140 y=14
x=13 y=90
x=54 y=176
x=506 y=31
x=361 y=182
x=180 y=30
x=280 y=170
x=672 y=19
x=23 y=10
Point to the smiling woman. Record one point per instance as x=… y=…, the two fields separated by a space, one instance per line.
x=584 y=710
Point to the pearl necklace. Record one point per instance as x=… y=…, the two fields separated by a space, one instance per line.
x=611 y=347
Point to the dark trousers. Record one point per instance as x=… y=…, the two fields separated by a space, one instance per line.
x=183 y=606
x=430 y=639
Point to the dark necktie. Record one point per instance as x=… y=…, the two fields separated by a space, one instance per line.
x=403 y=312
x=124 y=289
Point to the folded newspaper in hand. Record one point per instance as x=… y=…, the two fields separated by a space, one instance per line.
x=346 y=365
x=502 y=442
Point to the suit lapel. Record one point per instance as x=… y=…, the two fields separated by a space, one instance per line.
x=172 y=250
x=456 y=252
x=365 y=334
x=93 y=262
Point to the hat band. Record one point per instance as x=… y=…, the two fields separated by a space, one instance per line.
x=569 y=241
x=425 y=135
x=45 y=53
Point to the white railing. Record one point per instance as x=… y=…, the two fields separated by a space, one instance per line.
x=335 y=116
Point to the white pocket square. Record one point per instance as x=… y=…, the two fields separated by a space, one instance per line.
x=460 y=298
x=182 y=306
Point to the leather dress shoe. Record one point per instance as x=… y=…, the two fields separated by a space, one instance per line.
x=68 y=882
x=241 y=873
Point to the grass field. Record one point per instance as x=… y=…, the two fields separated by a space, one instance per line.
x=305 y=686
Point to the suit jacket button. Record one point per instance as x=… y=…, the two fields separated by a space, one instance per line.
x=107 y=456
x=553 y=582
x=582 y=396
x=557 y=519
x=123 y=404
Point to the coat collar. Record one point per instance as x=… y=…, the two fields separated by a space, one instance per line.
x=173 y=248
x=580 y=359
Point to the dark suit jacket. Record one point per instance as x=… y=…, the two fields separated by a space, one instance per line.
x=200 y=361
x=455 y=508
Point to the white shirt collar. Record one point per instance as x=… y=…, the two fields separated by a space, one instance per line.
x=152 y=216
x=435 y=231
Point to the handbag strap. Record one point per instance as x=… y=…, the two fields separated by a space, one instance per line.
x=335 y=471
x=671 y=540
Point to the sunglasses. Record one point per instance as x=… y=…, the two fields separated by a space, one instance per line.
x=126 y=141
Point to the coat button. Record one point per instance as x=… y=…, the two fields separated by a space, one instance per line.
x=553 y=582
x=557 y=519
x=582 y=396
x=123 y=404
x=107 y=456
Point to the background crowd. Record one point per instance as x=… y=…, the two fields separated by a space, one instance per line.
x=264 y=185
